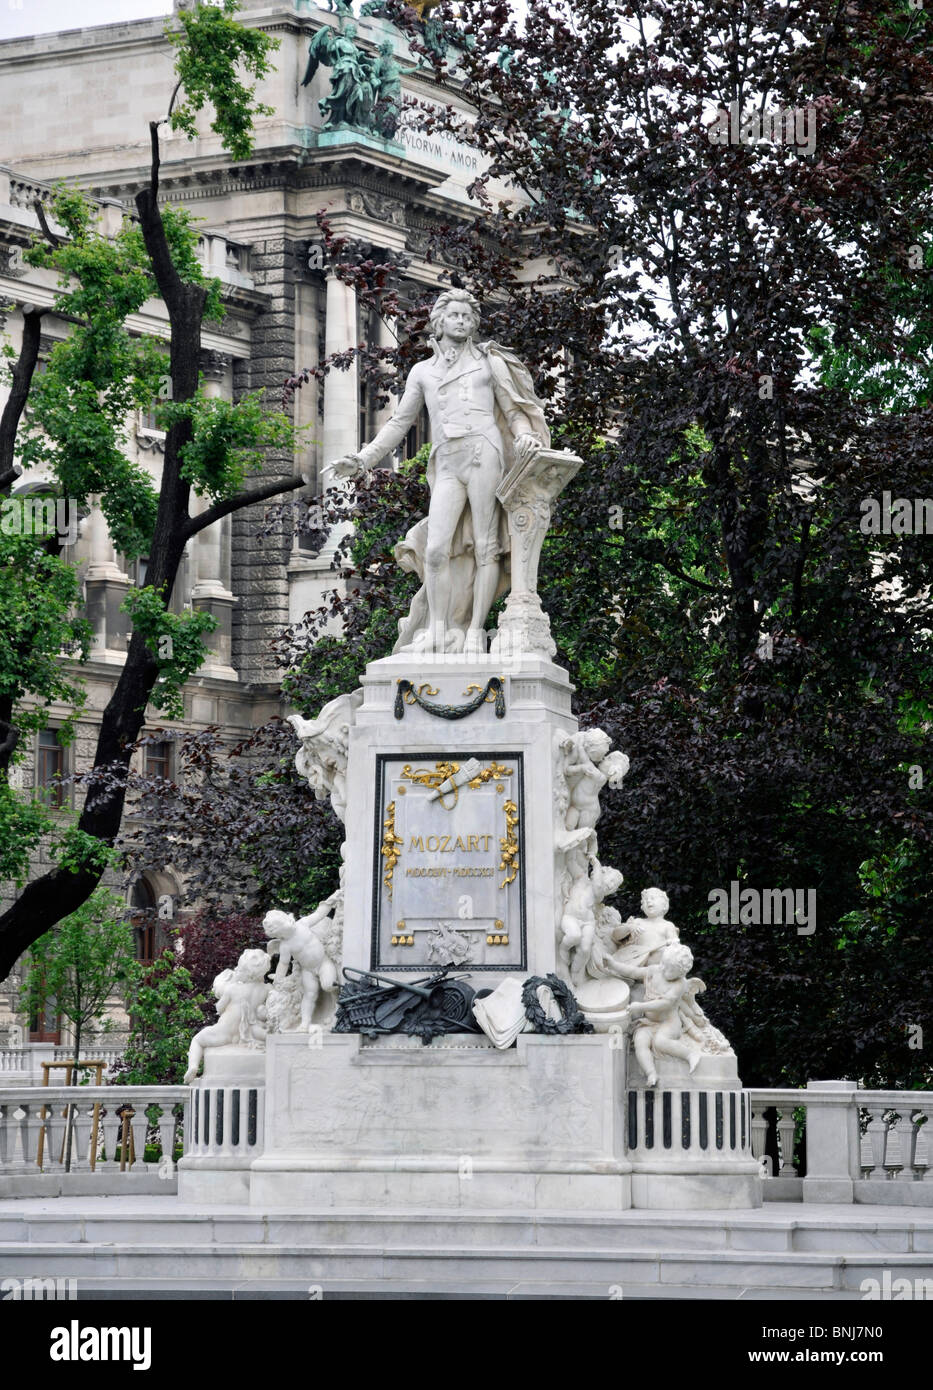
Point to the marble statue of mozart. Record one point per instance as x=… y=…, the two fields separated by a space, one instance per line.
x=485 y=419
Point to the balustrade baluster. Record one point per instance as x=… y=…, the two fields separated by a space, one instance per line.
x=786 y=1129
x=893 y=1153
x=907 y=1138
x=875 y=1135
x=81 y=1144
x=22 y=1116
x=167 y=1138
x=139 y=1125
x=54 y=1135
x=922 y=1151
x=110 y=1124
x=760 y=1137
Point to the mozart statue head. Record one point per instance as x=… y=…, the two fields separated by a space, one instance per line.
x=448 y=300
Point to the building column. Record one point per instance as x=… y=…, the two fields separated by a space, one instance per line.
x=209 y=591
x=385 y=339
x=341 y=404
x=105 y=586
x=341 y=388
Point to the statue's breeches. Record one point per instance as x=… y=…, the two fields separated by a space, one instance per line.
x=472 y=465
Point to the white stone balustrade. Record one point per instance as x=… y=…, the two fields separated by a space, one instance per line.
x=861 y=1146
x=34 y=1119
x=22 y=1066
x=14 y=1060
x=228 y=260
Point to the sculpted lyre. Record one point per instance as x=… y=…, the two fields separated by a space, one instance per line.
x=485 y=418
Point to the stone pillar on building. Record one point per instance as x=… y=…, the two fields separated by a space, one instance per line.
x=106 y=588
x=341 y=388
x=341 y=432
x=209 y=589
x=259 y=562
x=386 y=339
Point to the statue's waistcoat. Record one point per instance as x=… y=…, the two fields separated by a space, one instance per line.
x=460 y=398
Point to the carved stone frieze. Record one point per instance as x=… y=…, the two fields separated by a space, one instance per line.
x=376 y=205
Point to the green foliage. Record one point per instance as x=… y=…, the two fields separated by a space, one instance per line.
x=76 y=851
x=174 y=640
x=38 y=624
x=381 y=512
x=210 y=47
x=165 y=1010
x=81 y=962
x=99 y=375
x=23 y=821
x=182 y=238
x=891 y=883
x=229 y=439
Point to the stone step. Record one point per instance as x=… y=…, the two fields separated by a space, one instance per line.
x=143 y=1246
x=376 y=1267
x=791 y=1229
x=99 y=1289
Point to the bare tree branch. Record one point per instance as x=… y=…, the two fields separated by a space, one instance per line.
x=242 y=499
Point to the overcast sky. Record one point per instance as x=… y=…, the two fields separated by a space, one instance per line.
x=18 y=17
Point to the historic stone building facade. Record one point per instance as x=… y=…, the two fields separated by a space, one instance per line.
x=76 y=107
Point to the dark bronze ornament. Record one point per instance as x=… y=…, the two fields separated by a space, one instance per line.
x=426 y=1008
x=408 y=694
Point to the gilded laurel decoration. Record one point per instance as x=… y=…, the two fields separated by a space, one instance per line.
x=508 y=844
x=488 y=774
x=391 y=846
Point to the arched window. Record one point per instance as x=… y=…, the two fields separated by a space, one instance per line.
x=144 y=919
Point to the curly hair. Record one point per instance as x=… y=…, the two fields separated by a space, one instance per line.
x=443 y=303
x=679 y=955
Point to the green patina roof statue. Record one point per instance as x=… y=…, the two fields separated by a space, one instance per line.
x=365 y=92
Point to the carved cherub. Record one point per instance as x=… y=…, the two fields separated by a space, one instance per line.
x=241 y=1017
x=643 y=938
x=586 y=885
x=658 y=1018
x=585 y=765
x=310 y=946
x=606 y=882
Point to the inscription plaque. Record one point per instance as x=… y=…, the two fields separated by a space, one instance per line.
x=448 y=862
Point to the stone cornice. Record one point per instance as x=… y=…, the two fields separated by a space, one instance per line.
x=348 y=171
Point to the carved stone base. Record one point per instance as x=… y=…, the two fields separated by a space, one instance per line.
x=523 y=627
x=689 y=1137
x=226 y=1120
x=454 y=860
x=391 y=1124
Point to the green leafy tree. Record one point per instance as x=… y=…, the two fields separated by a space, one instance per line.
x=71 y=419
x=165 y=1010
x=77 y=967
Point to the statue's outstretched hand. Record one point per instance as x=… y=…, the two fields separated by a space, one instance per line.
x=347 y=466
x=526 y=446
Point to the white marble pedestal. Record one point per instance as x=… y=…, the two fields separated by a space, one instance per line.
x=481 y=858
x=689 y=1138
x=226 y=1126
x=391 y=1124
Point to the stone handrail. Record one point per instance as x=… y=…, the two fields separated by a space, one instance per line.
x=109 y=1055
x=33 y=1121
x=855 y=1140
x=15 y=1060
x=23 y=1063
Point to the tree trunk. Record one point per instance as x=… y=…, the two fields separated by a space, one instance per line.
x=46 y=900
